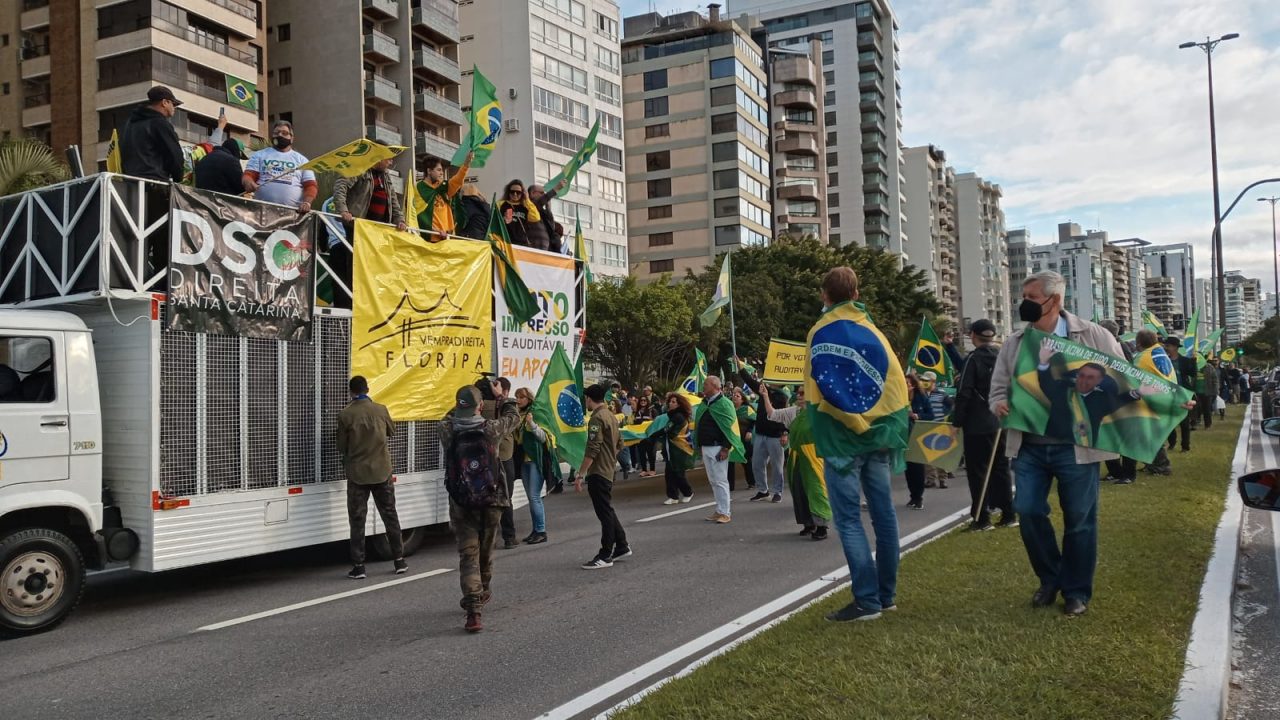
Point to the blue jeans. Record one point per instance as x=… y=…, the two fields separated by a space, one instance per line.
x=1070 y=570
x=767 y=459
x=875 y=581
x=532 y=478
x=624 y=461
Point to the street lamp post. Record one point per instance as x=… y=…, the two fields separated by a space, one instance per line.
x=1208 y=46
x=1275 y=248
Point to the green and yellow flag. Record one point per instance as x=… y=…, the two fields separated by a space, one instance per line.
x=559 y=410
x=520 y=301
x=580 y=249
x=1206 y=346
x=580 y=158
x=1228 y=355
x=723 y=295
x=1066 y=391
x=692 y=384
x=855 y=387
x=803 y=463
x=929 y=354
x=1192 y=339
x=113 y=154
x=725 y=415
x=242 y=93
x=352 y=159
x=1153 y=322
x=1157 y=362
x=413 y=203
x=935 y=443
x=484 y=122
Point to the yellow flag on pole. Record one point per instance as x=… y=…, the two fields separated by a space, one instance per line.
x=413 y=202
x=113 y=153
x=354 y=158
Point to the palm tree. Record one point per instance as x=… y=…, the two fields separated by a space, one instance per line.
x=28 y=164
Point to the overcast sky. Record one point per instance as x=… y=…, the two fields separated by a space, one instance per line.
x=1087 y=111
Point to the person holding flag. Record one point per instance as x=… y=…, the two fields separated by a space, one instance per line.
x=436 y=210
x=984 y=443
x=370 y=195
x=1187 y=371
x=674 y=436
x=804 y=467
x=1152 y=358
x=857 y=398
x=716 y=431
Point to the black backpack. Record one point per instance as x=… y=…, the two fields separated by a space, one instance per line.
x=472 y=472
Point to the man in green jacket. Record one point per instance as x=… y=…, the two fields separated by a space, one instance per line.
x=604 y=442
x=363 y=429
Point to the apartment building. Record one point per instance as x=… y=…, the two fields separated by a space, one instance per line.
x=696 y=109
x=1129 y=272
x=931 y=241
x=1162 y=299
x=1175 y=261
x=799 y=141
x=1205 y=293
x=983 y=253
x=1242 y=314
x=386 y=70
x=558 y=68
x=1018 y=243
x=861 y=106
x=95 y=62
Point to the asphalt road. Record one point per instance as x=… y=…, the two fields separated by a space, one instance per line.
x=1254 y=693
x=552 y=632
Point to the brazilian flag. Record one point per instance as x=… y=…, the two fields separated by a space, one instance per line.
x=1228 y=355
x=1157 y=362
x=929 y=355
x=520 y=301
x=692 y=384
x=580 y=158
x=804 y=463
x=724 y=414
x=1205 y=350
x=855 y=387
x=935 y=443
x=1093 y=399
x=1150 y=320
x=559 y=409
x=1189 y=342
x=484 y=123
x=242 y=93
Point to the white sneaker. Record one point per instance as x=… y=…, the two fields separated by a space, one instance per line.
x=671 y=501
x=686 y=498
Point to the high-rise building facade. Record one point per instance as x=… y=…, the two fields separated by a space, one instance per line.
x=1129 y=272
x=1178 y=262
x=1162 y=299
x=1018 y=242
x=696 y=108
x=1205 y=292
x=557 y=66
x=386 y=70
x=74 y=70
x=861 y=105
x=931 y=223
x=799 y=140
x=1243 y=311
x=983 y=253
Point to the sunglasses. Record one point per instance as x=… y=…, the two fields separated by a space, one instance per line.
x=515 y=192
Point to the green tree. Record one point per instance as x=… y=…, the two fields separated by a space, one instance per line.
x=639 y=333
x=1260 y=348
x=28 y=164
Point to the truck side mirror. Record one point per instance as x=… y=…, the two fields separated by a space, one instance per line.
x=1261 y=490
x=1271 y=426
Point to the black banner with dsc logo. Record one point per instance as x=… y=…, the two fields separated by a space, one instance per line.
x=239 y=267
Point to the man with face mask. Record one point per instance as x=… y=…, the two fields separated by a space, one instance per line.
x=272 y=174
x=1038 y=459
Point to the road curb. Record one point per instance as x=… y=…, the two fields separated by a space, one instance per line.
x=1202 y=693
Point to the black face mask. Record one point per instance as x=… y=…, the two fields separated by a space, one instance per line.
x=281 y=143
x=1030 y=310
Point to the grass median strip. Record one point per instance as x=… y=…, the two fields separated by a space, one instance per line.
x=966 y=642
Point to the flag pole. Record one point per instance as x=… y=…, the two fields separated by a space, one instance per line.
x=991 y=461
x=733 y=329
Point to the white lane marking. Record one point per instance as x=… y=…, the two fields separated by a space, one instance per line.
x=677 y=512
x=590 y=699
x=319 y=601
x=1203 y=688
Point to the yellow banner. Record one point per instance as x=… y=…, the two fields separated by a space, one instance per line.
x=354 y=158
x=422 y=324
x=785 y=363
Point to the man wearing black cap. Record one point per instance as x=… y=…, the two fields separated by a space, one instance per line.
x=982 y=435
x=220 y=170
x=149 y=146
x=1187 y=371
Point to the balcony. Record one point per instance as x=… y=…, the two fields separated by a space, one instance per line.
x=436 y=65
x=437 y=106
x=873 y=142
x=438 y=19
x=869 y=81
x=381 y=9
x=798 y=191
x=797 y=98
x=381 y=91
x=384 y=133
x=875 y=104
x=35 y=66
x=873 y=121
x=795 y=126
x=34 y=15
x=868 y=60
x=426 y=143
x=875 y=203
x=379 y=46
x=795 y=69
x=800 y=145
x=204 y=40
x=868 y=41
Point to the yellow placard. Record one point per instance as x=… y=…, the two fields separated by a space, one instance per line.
x=353 y=159
x=422 y=323
x=785 y=363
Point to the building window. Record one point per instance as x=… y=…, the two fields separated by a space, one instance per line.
x=613 y=222
x=663 y=238
x=610 y=157
x=831 y=138
x=833 y=200
x=828 y=57
x=610 y=189
x=659 y=188
x=4 y=89
x=570 y=10
x=724 y=179
x=557 y=37
x=284 y=32
x=830 y=118
x=723 y=95
x=723 y=123
x=559 y=106
x=726 y=207
x=723 y=67
x=829 y=98
x=833 y=159
x=834 y=220
x=608 y=60
x=722 y=151
x=607 y=26
x=833 y=179
x=661 y=266
x=658 y=212
x=609 y=92
x=655 y=79
x=559 y=72
x=284 y=76
x=659 y=130
x=657 y=161
x=728 y=234
x=829 y=77
x=655 y=107
x=554 y=138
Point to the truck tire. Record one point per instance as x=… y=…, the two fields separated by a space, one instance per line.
x=42 y=577
x=411 y=537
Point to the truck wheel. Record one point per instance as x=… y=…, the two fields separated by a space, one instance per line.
x=411 y=537
x=41 y=580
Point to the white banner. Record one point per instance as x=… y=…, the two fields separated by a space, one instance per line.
x=525 y=350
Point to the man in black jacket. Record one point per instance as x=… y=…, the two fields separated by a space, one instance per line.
x=1187 y=371
x=149 y=147
x=220 y=170
x=981 y=428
